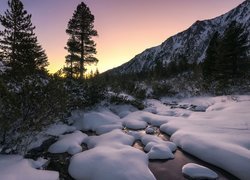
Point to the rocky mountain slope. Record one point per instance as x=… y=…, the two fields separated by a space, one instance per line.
x=191 y=43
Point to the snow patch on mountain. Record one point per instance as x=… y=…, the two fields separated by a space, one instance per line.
x=191 y=43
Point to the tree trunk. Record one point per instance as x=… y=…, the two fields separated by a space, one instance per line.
x=82 y=58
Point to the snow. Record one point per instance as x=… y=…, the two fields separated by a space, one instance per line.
x=140 y=120
x=70 y=143
x=40 y=163
x=135 y=124
x=110 y=157
x=2 y=67
x=107 y=128
x=222 y=132
x=160 y=151
x=157 y=107
x=94 y=119
x=150 y=130
x=122 y=110
x=196 y=171
x=59 y=129
x=219 y=136
x=155 y=146
x=110 y=139
x=13 y=167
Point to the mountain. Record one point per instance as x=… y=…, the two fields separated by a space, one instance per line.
x=191 y=43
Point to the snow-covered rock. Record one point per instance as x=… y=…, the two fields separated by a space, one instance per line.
x=70 y=143
x=14 y=167
x=160 y=151
x=108 y=162
x=110 y=139
x=110 y=157
x=150 y=130
x=195 y=171
x=94 y=119
x=140 y=119
x=59 y=129
x=219 y=136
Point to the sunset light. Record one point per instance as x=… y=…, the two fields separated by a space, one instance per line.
x=125 y=28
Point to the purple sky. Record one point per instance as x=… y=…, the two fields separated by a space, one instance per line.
x=125 y=27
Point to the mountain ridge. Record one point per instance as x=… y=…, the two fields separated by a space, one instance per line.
x=190 y=43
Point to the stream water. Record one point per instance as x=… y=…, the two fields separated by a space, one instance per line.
x=172 y=169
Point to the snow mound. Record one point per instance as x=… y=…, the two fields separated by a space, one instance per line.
x=13 y=167
x=122 y=110
x=196 y=171
x=94 y=119
x=123 y=162
x=70 y=143
x=222 y=132
x=110 y=157
x=157 y=107
x=140 y=119
x=160 y=151
x=150 y=130
x=107 y=128
x=110 y=139
x=135 y=124
x=155 y=146
x=150 y=141
x=59 y=129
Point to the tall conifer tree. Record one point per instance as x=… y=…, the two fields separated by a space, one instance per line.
x=81 y=30
x=209 y=65
x=19 y=45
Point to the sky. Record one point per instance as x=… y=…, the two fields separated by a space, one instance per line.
x=125 y=27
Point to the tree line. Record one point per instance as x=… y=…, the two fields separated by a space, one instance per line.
x=30 y=97
x=227 y=61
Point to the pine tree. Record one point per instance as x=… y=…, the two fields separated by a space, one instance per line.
x=72 y=60
x=232 y=55
x=209 y=64
x=81 y=30
x=19 y=45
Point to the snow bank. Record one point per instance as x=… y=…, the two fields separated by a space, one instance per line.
x=70 y=143
x=110 y=157
x=140 y=119
x=13 y=167
x=110 y=139
x=157 y=107
x=219 y=136
x=95 y=119
x=196 y=171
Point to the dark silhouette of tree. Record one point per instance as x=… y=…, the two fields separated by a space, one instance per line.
x=209 y=64
x=232 y=52
x=19 y=45
x=72 y=60
x=80 y=45
x=226 y=60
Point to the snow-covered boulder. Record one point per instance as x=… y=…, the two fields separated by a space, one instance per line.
x=110 y=157
x=160 y=151
x=195 y=171
x=14 y=167
x=70 y=143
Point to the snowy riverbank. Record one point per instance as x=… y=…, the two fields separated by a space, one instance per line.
x=214 y=129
